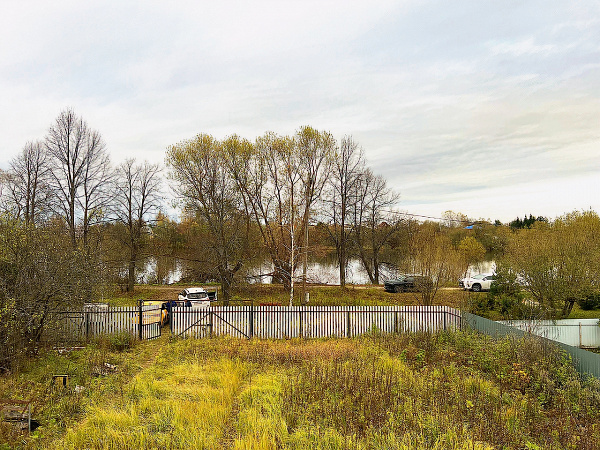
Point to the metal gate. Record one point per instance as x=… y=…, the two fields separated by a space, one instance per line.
x=207 y=322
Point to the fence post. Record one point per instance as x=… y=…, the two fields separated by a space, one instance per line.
x=445 y=325
x=251 y=324
x=86 y=315
x=395 y=322
x=140 y=319
x=348 y=332
x=300 y=320
x=210 y=322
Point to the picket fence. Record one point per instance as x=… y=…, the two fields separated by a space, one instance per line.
x=283 y=322
x=81 y=325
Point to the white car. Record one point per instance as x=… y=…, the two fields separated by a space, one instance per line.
x=196 y=297
x=478 y=283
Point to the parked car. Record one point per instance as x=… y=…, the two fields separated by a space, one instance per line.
x=406 y=283
x=478 y=283
x=195 y=297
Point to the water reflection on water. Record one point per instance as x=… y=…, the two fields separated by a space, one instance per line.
x=320 y=270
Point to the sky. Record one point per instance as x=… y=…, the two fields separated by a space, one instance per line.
x=488 y=108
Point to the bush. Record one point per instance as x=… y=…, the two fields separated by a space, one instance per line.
x=590 y=301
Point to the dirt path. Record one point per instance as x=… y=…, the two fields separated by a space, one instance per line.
x=230 y=432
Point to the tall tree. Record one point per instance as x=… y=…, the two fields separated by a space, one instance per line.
x=268 y=176
x=558 y=262
x=340 y=197
x=373 y=226
x=316 y=152
x=207 y=189
x=28 y=183
x=80 y=172
x=137 y=196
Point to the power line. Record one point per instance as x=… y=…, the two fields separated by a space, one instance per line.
x=434 y=218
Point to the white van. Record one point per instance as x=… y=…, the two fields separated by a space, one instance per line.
x=195 y=297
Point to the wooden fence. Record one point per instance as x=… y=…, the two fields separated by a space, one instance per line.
x=281 y=322
x=75 y=326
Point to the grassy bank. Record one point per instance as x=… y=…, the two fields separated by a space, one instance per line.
x=320 y=295
x=352 y=295
x=452 y=390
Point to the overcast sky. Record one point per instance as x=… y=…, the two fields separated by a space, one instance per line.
x=489 y=108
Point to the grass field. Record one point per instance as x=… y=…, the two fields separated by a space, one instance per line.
x=446 y=391
x=352 y=295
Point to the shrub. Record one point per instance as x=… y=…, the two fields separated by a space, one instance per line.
x=590 y=301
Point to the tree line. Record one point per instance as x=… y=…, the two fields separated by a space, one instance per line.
x=72 y=224
x=277 y=198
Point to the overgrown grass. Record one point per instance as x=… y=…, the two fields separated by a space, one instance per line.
x=450 y=391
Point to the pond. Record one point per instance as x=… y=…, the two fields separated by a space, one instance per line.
x=320 y=270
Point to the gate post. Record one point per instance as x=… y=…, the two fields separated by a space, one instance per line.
x=210 y=322
x=300 y=321
x=140 y=319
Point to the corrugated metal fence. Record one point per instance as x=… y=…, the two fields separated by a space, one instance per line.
x=582 y=333
x=585 y=362
x=281 y=322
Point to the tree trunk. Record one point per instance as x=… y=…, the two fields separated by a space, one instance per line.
x=131 y=274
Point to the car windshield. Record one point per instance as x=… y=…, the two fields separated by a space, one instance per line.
x=197 y=295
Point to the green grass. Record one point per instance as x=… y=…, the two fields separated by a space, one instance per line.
x=334 y=295
x=319 y=296
x=578 y=313
x=446 y=391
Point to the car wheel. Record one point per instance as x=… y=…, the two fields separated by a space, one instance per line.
x=476 y=287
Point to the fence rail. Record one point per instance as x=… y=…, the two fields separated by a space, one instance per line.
x=76 y=326
x=281 y=322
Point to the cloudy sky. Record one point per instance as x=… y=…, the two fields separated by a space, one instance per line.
x=490 y=108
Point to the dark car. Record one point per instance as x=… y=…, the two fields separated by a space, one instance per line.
x=406 y=283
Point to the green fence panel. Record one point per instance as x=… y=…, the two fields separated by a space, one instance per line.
x=586 y=363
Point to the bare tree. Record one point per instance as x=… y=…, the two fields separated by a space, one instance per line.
x=137 y=196
x=340 y=197
x=372 y=225
x=432 y=256
x=28 y=183
x=80 y=172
